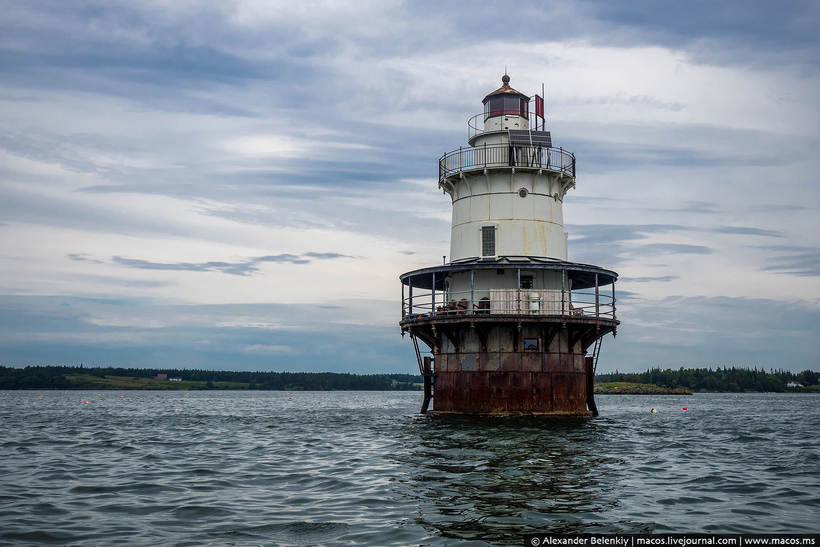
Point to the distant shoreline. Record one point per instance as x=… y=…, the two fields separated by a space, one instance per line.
x=651 y=382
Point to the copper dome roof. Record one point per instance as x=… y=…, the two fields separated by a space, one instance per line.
x=505 y=89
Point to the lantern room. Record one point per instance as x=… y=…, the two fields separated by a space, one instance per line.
x=506 y=108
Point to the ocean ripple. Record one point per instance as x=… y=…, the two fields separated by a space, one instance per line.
x=364 y=468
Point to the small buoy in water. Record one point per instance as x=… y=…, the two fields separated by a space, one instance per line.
x=41 y=396
x=290 y=398
x=178 y=409
x=654 y=411
x=85 y=402
x=122 y=396
x=99 y=394
x=685 y=408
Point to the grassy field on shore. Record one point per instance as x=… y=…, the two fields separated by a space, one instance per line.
x=632 y=388
x=89 y=381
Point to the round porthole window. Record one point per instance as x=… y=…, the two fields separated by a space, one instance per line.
x=523 y=192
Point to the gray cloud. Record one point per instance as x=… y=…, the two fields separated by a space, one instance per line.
x=730 y=33
x=324 y=256
x=778 y=207
x=793 y=260
x=245 y=267
x=692 y=145
x=659 y=279
x=611 y=243
x=98 y=280
x=80 y=257
x=703 y=207
x=671 y=248
x=745 y=230
x=238 y=268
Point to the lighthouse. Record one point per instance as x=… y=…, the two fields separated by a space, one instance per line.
x=512 y=326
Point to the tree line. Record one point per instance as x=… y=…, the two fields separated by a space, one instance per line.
x=696 y=379
x=721 y=379
x=55 y=377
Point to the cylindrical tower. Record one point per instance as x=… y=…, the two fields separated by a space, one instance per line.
x=509 y=320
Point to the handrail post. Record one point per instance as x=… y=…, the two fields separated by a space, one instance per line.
x=459 y=158
x=596 y=297
x=472 y=291
x=485 y=154
x=402 y=301
x=518 y=273
x=410 y=302
x=563 y=287
x=613 y=299
x=433 y=305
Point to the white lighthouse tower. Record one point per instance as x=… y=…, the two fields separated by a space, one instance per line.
x=509 y=320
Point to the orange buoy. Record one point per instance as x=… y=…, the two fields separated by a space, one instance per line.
x=685 y=408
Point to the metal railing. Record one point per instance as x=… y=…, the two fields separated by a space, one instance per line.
x=504 y=155
x=547 y=302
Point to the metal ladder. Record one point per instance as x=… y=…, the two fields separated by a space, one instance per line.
x=596 y=351
x=427 y=374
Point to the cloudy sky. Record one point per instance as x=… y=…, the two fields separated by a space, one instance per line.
x=238 y=185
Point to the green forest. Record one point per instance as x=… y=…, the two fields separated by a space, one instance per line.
x=719 y=379
x=80 y=377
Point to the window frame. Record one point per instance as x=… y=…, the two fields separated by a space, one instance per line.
x=485 y=229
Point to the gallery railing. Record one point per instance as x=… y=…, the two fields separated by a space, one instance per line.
x=589 y=303
x=504 y=155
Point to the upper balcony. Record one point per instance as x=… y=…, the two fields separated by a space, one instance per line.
x=495 y=156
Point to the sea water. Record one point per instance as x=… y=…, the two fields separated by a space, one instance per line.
x=307 y=468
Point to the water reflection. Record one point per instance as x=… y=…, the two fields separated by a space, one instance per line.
x=494 y=478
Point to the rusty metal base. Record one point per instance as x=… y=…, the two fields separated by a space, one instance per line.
x=517 y=365
x=511 y=392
